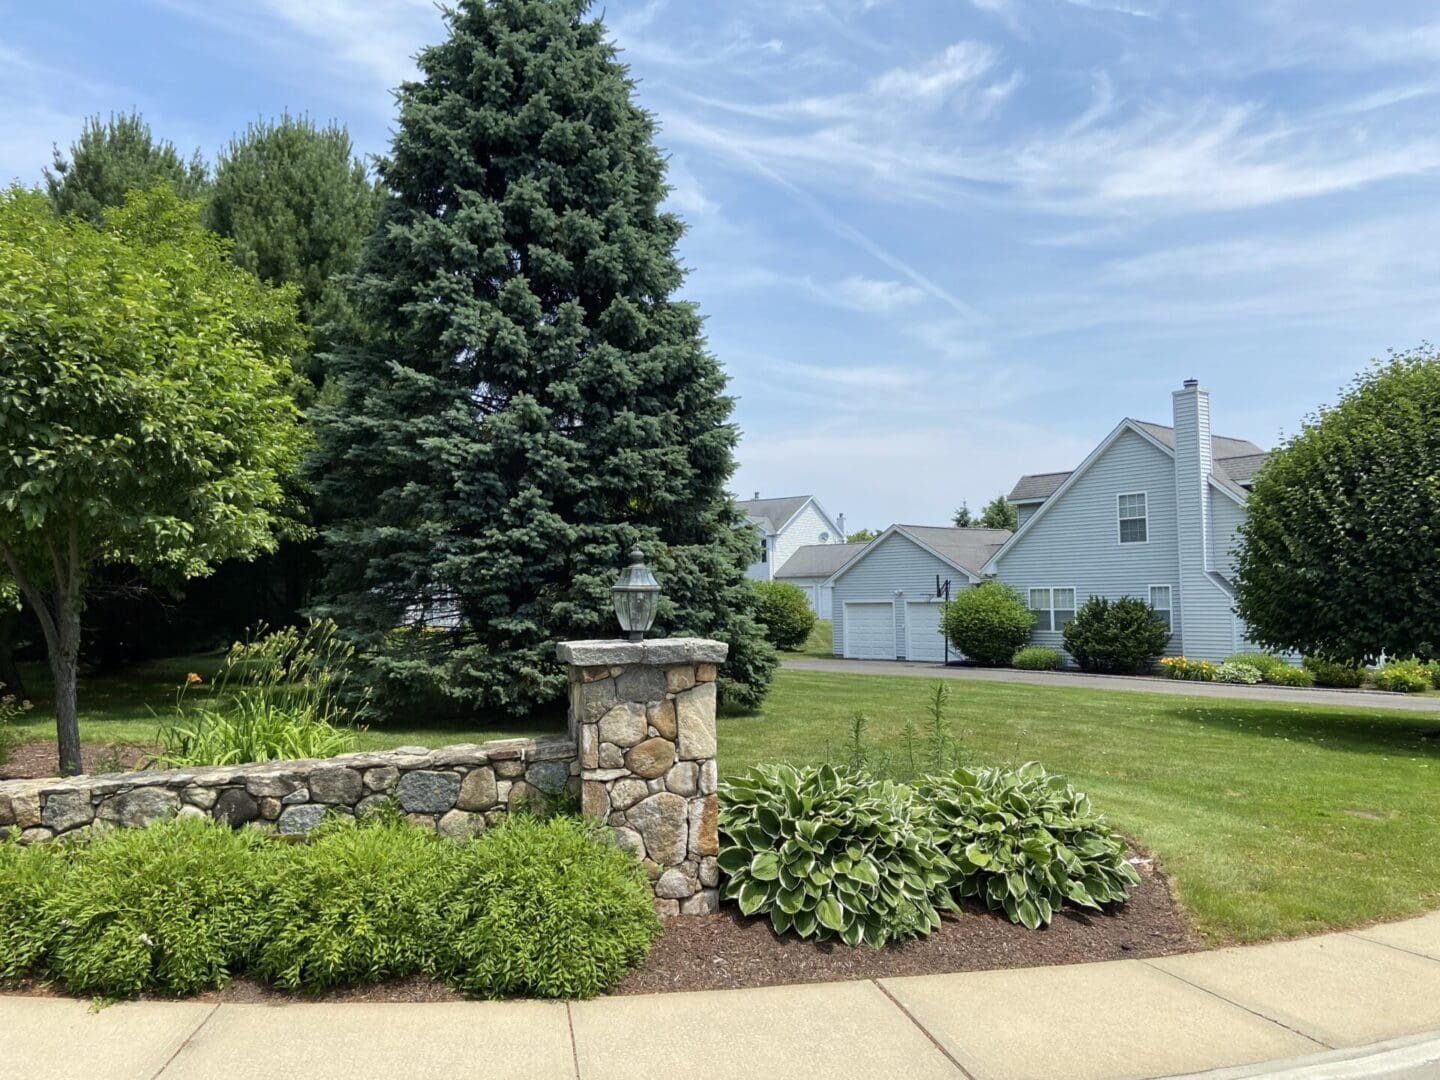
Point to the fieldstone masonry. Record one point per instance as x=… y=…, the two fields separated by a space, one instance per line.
x=642 y=715
x=640 y=754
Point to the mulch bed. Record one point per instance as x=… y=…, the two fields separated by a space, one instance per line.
x=35 y=760
x=728 y=952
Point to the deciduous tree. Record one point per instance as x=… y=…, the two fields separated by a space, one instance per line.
x=144 y=411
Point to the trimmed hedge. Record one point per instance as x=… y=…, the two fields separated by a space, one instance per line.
x=1116 y=637
x=1036 y=658
x=988 y=623
x=1335 y=674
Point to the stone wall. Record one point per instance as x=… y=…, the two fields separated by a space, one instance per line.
x=457 y=790
x=640 y=754
x=643 y=715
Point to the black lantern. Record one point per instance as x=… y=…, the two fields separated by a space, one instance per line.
x=636 y=594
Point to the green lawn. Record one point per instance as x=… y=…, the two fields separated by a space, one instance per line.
x=818 y=643
x=1272 y=818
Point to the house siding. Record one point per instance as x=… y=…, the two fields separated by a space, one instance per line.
x=816 y=591
x=1226 y=516
x=1025 y=513
x=804 y=528
x=1076 y=543
x=894 y=569
x=1208 y=615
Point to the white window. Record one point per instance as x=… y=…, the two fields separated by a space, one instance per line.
x=1134 y=528
x=1160 y=601
x=764 y=550
x=1054 y=608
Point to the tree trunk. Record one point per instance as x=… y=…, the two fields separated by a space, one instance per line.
x=64 y=665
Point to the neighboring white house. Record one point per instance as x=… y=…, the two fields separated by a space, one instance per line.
x=886 y=600
x=810 y=568
x=785 y=526
x=1152 y=512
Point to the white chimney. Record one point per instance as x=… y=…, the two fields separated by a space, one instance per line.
x=840 y=524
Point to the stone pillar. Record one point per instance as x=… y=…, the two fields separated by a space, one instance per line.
x=642 y=715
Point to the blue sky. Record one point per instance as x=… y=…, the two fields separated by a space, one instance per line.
x=939 y=243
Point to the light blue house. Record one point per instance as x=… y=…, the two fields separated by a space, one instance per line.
x=1152 y=512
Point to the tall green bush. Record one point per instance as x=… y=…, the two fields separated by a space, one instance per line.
x=1122 y=636
x=988 y=623
x=29 y=878
x=784 y=613
x=1335 y=674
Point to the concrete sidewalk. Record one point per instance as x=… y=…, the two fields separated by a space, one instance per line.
x=1348 y=699
x=1341 y=1005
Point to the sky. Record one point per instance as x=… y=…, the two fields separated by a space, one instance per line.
x=938 y=243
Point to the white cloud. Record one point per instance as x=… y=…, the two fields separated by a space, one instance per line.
x=870 y=294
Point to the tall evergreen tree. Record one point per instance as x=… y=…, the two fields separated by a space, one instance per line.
x=532 y=399
x=112 y=158
x=999 y=513
x=299 y=206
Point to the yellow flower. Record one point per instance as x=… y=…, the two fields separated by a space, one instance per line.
x=193 y=679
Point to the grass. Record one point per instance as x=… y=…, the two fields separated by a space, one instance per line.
x=127 y=707
x=818 y=643
x=1272 y=819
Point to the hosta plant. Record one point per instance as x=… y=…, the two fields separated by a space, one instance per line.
x=1024 y=842
x=831 y=853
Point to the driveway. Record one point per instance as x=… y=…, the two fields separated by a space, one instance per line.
x=1350 y=699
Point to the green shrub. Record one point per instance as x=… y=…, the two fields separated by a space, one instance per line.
x=1036 y=658
x=1181 y=667
x=1024 y=841
x=354 y=904
x=277 y=697
x=546 y=908
x=1274 y=669
x=171 y=908
x=831 y=853
x=989 y=623
x=1232 y=671
x=1116 y=636
x=783 y=613
x=29 y=876
x=1403 y=676
x=1335 y=674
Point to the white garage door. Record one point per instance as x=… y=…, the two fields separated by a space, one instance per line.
x=922 y=632
x=870 y=630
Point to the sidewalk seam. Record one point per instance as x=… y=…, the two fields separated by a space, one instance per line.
x=923 y=1030
x=574 y=1050
x=184 y=1043
x=1239 y=1005
x=1360 y=936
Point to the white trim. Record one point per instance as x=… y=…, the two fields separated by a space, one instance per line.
x=1238 y=495
x=845 y=634
x=1050 y=611
x=854 y=560
x=809 y=499
x=1119 y=538
x=990 y=567
x=930 y=601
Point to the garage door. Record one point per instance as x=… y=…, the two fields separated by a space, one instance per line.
x=922 y=632
x=870 y=631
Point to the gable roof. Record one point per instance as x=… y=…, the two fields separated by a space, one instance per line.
x=818 y=560
x=967 y=550
x=775 y=513
x=1235 y=460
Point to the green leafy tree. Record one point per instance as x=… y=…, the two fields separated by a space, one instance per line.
x=299 y=206
x=988 y=623
x=1340 y=549
x=862 y=536
x=963 y=518
x=999 y=514
x=144 y=417
x=531 y=400
x=112 y=158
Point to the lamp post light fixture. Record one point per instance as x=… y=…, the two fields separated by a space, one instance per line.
x=636 y=594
